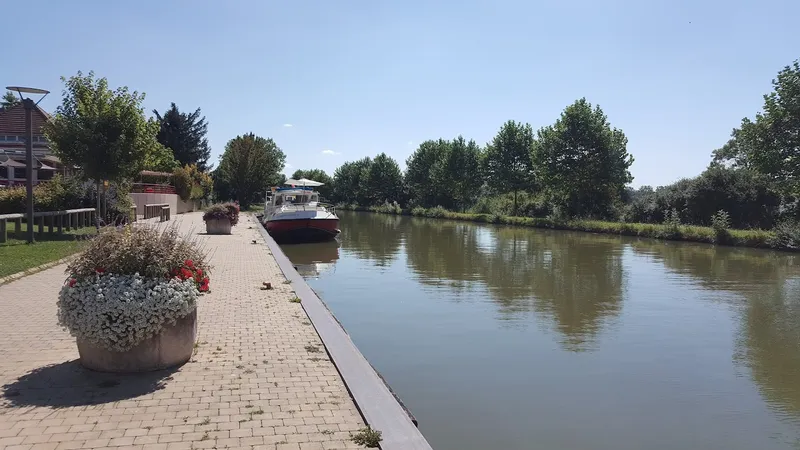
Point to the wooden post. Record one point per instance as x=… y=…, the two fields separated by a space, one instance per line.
x=68 y=224
x=60 y=224
x=41 y=225
x=3 y=231
x=18 y=225
x=50 y=224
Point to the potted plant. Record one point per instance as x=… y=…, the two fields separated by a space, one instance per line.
x=131 y=299
x=220 y=217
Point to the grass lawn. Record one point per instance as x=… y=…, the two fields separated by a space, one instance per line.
x=17 y=255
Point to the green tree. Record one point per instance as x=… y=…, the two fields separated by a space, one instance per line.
x=104 y=132
x=582 y=162
x=383 y=181
x=185 y=135
x=349 y=181
x=160 y=159
x=423 y=190
x=770 y=144
x=463 y=177
x=507 y=162
x=9 y=99
x=249 y=165
x=317 y=175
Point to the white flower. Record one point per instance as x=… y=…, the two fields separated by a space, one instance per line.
x=119 y=311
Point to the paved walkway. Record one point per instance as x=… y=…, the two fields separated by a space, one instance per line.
x=260 y=377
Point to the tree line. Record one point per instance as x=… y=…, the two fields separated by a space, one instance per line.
x=579 y=167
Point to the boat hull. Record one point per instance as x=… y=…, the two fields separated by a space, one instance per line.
x=290 y=231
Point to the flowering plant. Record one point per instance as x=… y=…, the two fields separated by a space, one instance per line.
x=228 y=211
x=119 y=311
x=127 y=285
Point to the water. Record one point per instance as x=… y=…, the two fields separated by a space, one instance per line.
x=510 y=338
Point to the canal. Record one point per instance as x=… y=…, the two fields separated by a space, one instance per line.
x=510 y=338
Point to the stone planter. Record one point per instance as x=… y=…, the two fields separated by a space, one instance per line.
x=218 y=226
x=173 y=346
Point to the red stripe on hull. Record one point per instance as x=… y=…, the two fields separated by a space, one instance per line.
x=303 y=229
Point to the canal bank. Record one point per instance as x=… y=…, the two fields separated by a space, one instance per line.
x=377 y=403
x=685 y=233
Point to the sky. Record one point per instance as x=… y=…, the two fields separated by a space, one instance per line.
x=334 y=81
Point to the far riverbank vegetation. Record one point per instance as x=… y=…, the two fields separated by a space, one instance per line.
x=575 y=175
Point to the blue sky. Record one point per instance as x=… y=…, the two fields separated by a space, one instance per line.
x=336 y=81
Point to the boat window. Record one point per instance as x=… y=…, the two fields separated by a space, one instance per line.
x=278 y=200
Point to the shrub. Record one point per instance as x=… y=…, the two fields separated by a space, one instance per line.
x=56 y=194
x=218 y=211
x=720 y=222
x=142 y=249
x=787 y=235
x=182 y=180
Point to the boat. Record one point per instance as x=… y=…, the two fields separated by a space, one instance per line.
x=294 y=214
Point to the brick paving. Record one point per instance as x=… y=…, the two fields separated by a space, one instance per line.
x=260 y=377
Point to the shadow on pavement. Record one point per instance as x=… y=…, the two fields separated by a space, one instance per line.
x=70 y=384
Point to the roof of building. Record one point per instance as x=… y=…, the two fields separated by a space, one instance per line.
x=12 y=120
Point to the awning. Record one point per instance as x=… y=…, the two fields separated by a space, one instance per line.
x=46 y=167
x=11 y=163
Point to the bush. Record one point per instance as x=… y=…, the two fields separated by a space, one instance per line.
x=54 y=195
x=720 y=222
x=787 y=235
x=218 y=211
x=182 y=180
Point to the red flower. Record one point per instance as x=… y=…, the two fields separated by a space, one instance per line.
x=198 y=272
x=186 y=274
x=72 y=282
x=189 y=263
x=100 y=270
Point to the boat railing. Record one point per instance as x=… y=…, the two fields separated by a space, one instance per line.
x=306 y=207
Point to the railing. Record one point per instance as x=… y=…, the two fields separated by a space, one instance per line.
x=149 y=188
x=306 y=207
x=67 y=219
x=160 y=210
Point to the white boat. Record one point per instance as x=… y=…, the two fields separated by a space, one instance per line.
x=294 y=214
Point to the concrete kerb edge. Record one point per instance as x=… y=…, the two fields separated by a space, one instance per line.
x=378 y=406
x=33 y=270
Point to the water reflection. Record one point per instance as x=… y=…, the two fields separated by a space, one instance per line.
x=767 y=285
x=311 y=260
x=376 y=237
x=575 y=280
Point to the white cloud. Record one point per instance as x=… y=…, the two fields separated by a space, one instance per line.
x=330 y=152
x=287 y=125
x=288 y=166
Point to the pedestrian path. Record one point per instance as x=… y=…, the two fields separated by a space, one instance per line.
x=260 y=377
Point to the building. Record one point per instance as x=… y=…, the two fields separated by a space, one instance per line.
x=13 y=169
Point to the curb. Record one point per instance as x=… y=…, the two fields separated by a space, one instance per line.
x=33 y=270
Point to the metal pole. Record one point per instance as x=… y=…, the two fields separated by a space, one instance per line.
x=29 y=105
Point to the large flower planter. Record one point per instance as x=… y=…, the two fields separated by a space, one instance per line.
x=218 y=226
x=172 y=346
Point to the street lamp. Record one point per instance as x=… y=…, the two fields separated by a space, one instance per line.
x=29 y=106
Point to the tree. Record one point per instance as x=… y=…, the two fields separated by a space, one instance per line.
x=9 y=99
x=103 y=132
x=771 y=143
x=349 y=181
x=384 y=181
x=326 y=190
x=507 y=163
x=423 y=190
x=185 y=135
x=463 y=177
x=249 y=165
x=582 y=162
x=160 y=159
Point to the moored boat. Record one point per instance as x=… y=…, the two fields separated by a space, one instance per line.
x=294 y=214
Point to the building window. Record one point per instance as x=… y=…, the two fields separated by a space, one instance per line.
x=4 y=172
